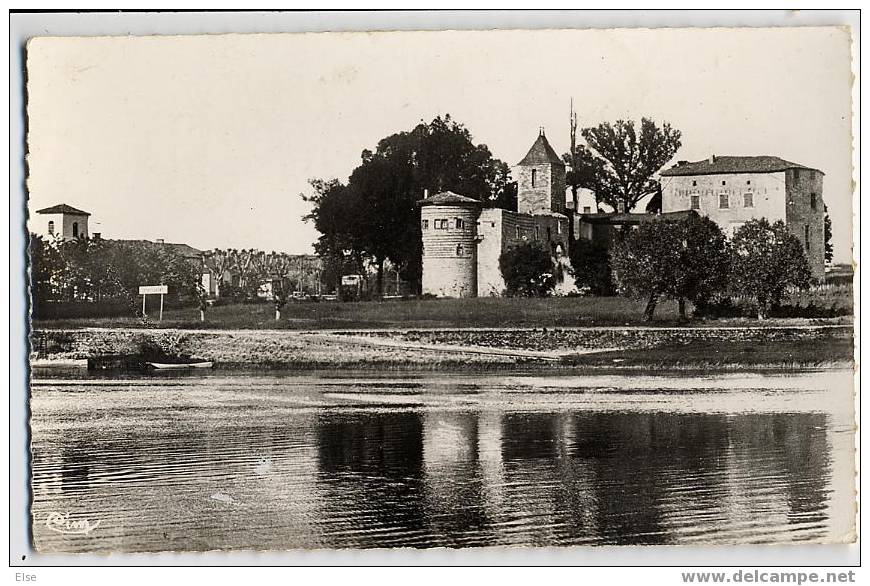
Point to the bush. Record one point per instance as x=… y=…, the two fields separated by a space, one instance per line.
x=528 y=271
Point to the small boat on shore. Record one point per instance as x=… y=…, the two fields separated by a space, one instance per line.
x=179 y=366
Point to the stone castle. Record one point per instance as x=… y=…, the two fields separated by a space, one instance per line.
x=462 y=241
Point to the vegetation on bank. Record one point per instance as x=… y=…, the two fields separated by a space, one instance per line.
x=490 y=312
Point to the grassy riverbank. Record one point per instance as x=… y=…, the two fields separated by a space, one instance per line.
x=421 y=313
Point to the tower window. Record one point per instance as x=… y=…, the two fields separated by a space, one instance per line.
x=425 y=224
x=723 y=183
x=747 y=200
x=549 y=234
x=694 y=183
x=459 y=223
x=75 y=229
x=813 y=203
x=534 y=176
x=51 y=227
x=459 y=250
x=518 y=232
x=696 y=202
x=723 y=201
x=807 y=236
x=587 y=209
x=537 y=232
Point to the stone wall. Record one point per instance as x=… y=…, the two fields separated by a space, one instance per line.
x=768 y=193
x=548 y=194
x=803 y=219
x=449 y=254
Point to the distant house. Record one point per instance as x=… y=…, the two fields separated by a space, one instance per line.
x=731 y=190
x=61 y=222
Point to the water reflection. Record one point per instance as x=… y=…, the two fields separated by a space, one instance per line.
x=274 y=478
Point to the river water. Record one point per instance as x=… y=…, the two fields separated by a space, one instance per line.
x=330 y=460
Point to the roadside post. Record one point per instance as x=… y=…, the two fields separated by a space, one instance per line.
x=161 y=290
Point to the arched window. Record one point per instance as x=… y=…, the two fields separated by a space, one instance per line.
x=51 y=227
x=75 y=229
x=534 y=176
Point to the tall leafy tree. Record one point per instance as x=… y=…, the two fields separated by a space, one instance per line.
x=374 y=217
x=767 y=260
x=685 y=259
x=621 y=160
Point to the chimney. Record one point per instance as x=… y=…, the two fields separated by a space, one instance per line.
x=620 y=207
x=712 y=159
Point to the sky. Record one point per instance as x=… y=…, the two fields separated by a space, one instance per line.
x=211 y=139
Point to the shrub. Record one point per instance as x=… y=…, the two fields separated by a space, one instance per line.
x=528 y=271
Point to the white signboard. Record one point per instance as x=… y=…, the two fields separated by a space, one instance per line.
x=350 y=279
x=153 y=290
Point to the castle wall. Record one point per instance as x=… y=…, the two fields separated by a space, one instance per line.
x=449 y=252
x=767 y=191
x=500 y=230
x=785 y=195
x=805 y=220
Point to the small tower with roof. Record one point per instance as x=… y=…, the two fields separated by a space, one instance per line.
x=62 y=222
x=540 y=179
x=448 y=222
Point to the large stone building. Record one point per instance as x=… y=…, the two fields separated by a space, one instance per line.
x=462 y=242
x=731 y=190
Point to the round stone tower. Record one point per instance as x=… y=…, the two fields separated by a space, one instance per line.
x=449 y=226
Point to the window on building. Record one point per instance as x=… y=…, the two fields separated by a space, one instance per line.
x=51 y=227
x=518 y=232
x=694 y=184
x=748 y=182
x=797 y=174
x=459 y=250
x=75 y=229
x=587 y=209
x=558 y=227
x=747 y=200
x=549 y=233
x=492 y=224
x=534 y=176
x=723 y=201
x=696 y=202
x=425 y=224
x=459 y=224
x=813 y=202
x=537 y=232
x=723 y=183
x=807 y=236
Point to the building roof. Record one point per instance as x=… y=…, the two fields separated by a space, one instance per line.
x=629 y=219
x=449 y=198
x=62 y=209
x=717 y=165
x=183 y=250
x=541 y=153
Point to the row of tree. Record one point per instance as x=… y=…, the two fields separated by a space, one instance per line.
x=100 y=270
x=689 y=259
